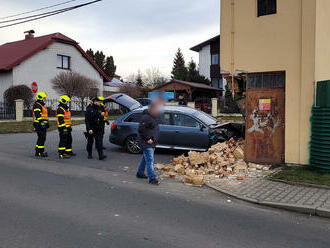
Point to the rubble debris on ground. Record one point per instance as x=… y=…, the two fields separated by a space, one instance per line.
x=222 y=160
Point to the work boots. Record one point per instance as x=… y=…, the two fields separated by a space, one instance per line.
x=101 y=155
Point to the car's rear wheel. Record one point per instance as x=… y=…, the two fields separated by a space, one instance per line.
x=132 y=144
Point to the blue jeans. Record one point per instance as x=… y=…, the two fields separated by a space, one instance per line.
x=147 y=161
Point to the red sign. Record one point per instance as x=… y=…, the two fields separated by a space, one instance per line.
x=34 y=87
x=265 y=104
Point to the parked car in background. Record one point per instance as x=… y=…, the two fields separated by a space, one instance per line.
x=181 y=128
x=144 y=101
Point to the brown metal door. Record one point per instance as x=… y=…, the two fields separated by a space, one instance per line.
x=265 y=125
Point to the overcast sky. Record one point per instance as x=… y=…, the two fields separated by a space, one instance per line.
x=140 y=34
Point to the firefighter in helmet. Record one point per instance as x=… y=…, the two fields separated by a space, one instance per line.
x=105 y=117
x=40 y=123
x=64 y=125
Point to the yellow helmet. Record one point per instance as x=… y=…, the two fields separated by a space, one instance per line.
x=64 y=99
x=41 y=96
x=100 y=98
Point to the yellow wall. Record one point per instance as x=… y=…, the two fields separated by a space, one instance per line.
x=295 y=40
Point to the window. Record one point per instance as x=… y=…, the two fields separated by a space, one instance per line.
x=266 y=80
x=215 y=59
x=215 y=82
x=185 y=121
x=165 y=119
x=267 y=7
x=63 y=62
x=134 y=118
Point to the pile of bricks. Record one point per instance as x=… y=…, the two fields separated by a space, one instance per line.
x=223 y=160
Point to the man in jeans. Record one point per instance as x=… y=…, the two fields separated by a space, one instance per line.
x=148 y=138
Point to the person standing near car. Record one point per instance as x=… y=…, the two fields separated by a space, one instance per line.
x=105 y=118
x=182 y=101
x=94 y=119
x=64 y=125
x=148 y=135
x=40 y=123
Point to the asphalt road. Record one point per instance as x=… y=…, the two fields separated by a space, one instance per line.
x=118 y=159
x=51 y=203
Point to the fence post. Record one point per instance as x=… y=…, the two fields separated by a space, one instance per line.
x=19 y=104
x=191 y=104
x=214 y=107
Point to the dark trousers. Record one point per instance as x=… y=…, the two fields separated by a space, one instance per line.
x=40 y=146
x=97 y=136
x=65 y=145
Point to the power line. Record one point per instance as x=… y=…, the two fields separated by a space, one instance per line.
x=47 y=14
x=36 y=10
x=37 y=15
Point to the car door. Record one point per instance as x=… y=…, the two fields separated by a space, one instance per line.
x=167 y=130
x=190 y=133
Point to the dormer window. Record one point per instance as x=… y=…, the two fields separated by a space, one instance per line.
x=267 y=7
x=63 y=62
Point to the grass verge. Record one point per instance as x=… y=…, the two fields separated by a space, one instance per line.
x=27 y=126
x=303 y=174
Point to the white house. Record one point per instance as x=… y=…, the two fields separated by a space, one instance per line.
x=209 y=60
x=39 y=59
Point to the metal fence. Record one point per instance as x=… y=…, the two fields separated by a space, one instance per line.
x=7 y=112
x=77 y=108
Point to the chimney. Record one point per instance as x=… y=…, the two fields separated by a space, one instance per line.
x=29 y=34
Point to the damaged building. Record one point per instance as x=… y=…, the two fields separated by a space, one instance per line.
x=272 y=53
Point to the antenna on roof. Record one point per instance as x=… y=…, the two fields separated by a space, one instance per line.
x=29 y=34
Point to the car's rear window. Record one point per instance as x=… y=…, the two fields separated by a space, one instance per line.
x=135 y=118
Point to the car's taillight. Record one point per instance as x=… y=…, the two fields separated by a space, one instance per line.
x=113 y=126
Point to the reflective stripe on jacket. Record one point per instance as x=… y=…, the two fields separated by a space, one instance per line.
x=106 y=114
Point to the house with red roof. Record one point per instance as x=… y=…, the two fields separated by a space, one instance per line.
x=37 y=60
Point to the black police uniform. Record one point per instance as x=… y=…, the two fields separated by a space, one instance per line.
x=65 y=131
x=95 y=122
x=40 y=124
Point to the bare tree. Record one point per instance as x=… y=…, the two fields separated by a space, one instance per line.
x=132 y=90
x=76 y=85
x=153 y=77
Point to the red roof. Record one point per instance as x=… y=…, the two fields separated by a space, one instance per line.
x=193 y=85
x=14 y=53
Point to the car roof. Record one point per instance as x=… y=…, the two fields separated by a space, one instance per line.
x=181 y=109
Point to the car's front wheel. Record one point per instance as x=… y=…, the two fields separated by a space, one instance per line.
x=132 y=145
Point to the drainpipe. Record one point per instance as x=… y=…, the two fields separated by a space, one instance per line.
x=232 y=39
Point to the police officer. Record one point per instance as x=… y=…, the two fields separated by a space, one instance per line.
x=94 y=119
x=40 y=123
x=64 y=125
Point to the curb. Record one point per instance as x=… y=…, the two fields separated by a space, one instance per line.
x=317 y=211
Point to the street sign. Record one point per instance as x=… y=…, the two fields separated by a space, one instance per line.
x=34 y=87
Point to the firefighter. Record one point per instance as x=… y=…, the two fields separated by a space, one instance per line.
x=64 y=125
x=94 y=119
x=40 y=123
x=105 y=117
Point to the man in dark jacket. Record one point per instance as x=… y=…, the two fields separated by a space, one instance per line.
x=94 y=119
x=182 y=101
x=148 y=139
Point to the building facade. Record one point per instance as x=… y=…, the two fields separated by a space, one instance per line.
x=291 y=37
x=40 y=59
x=209 y=60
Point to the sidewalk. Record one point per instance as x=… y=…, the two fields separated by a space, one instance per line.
x=310 y=200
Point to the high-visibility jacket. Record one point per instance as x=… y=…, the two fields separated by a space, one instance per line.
x=63 y=117
x=106 y=114
x=40 y=113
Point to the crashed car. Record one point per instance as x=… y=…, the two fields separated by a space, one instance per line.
x=181 y=128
